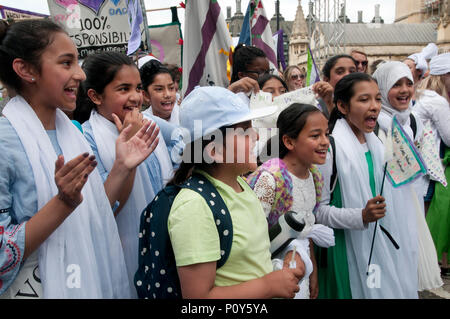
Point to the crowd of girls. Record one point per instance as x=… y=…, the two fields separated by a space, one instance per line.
x=72 y=197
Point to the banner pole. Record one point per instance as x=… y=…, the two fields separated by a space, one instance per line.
x=147 y=43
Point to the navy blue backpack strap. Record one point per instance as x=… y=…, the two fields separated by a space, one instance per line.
x=222 y=217
x=157 y=276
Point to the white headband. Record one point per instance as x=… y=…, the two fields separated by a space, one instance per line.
x=145 y=59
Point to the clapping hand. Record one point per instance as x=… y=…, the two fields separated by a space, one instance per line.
x=131 y=151
x=71 y=177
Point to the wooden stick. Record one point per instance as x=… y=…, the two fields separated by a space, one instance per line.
x=161 y=9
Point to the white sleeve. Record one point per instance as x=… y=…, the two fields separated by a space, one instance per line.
x=441 y=118
x=265 y=191
x=339 y=218
x=302 y=248
x=432 y=106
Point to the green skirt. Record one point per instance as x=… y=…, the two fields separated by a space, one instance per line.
x=334 y=282
x=438 y=216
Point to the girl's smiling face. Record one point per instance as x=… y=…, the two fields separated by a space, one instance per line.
x=122 y=94
x=297 y=79
x=311 y=145
x=162 y=95
x=60 y=75
x=401 y=93
x=364 y=108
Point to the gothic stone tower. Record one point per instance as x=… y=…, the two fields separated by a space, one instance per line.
x=298 y=43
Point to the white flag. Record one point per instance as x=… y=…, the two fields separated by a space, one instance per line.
x=206 y=45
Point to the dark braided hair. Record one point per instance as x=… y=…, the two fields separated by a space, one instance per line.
x=243 y=56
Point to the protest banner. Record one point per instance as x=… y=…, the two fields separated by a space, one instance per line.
x=404 y=162
x=17 y=14
x=166 y=40
x=94 y=25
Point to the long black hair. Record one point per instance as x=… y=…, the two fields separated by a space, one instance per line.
x=343 y=92
x=192 y=159
x=100 y=69
x=26 y=40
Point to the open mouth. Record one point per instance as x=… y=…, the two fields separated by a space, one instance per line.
x=322 y=153
x=129 y=108
x=371 y=121
x=167 y=105
x=71 y=92
x=403 y=99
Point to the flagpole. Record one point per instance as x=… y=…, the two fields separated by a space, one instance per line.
x=147 y=45
x=376 y=223
x=277 y=9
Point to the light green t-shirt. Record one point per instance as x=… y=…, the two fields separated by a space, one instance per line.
x=195 y=239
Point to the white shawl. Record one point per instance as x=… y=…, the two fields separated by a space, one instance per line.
x=88 y=239
x=397 y=268
x=142 y=193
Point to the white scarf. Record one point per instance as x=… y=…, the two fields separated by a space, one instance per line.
x=142 y=193
x=398 y=268
x=88 y=239
x=387 y=75
x=161 y=151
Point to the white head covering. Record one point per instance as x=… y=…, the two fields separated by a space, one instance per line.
x=440 y=64
x=145 y=59
x=429 y=51
x=387 y=75
x=420 y=59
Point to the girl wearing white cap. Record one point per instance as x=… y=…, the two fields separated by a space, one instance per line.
x=397 y=87
x=214 y=116
x=433 y=105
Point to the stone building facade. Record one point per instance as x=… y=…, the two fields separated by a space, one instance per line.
x=413 y=29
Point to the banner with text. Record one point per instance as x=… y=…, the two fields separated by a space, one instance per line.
x=94 y=25
x=17 y=14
